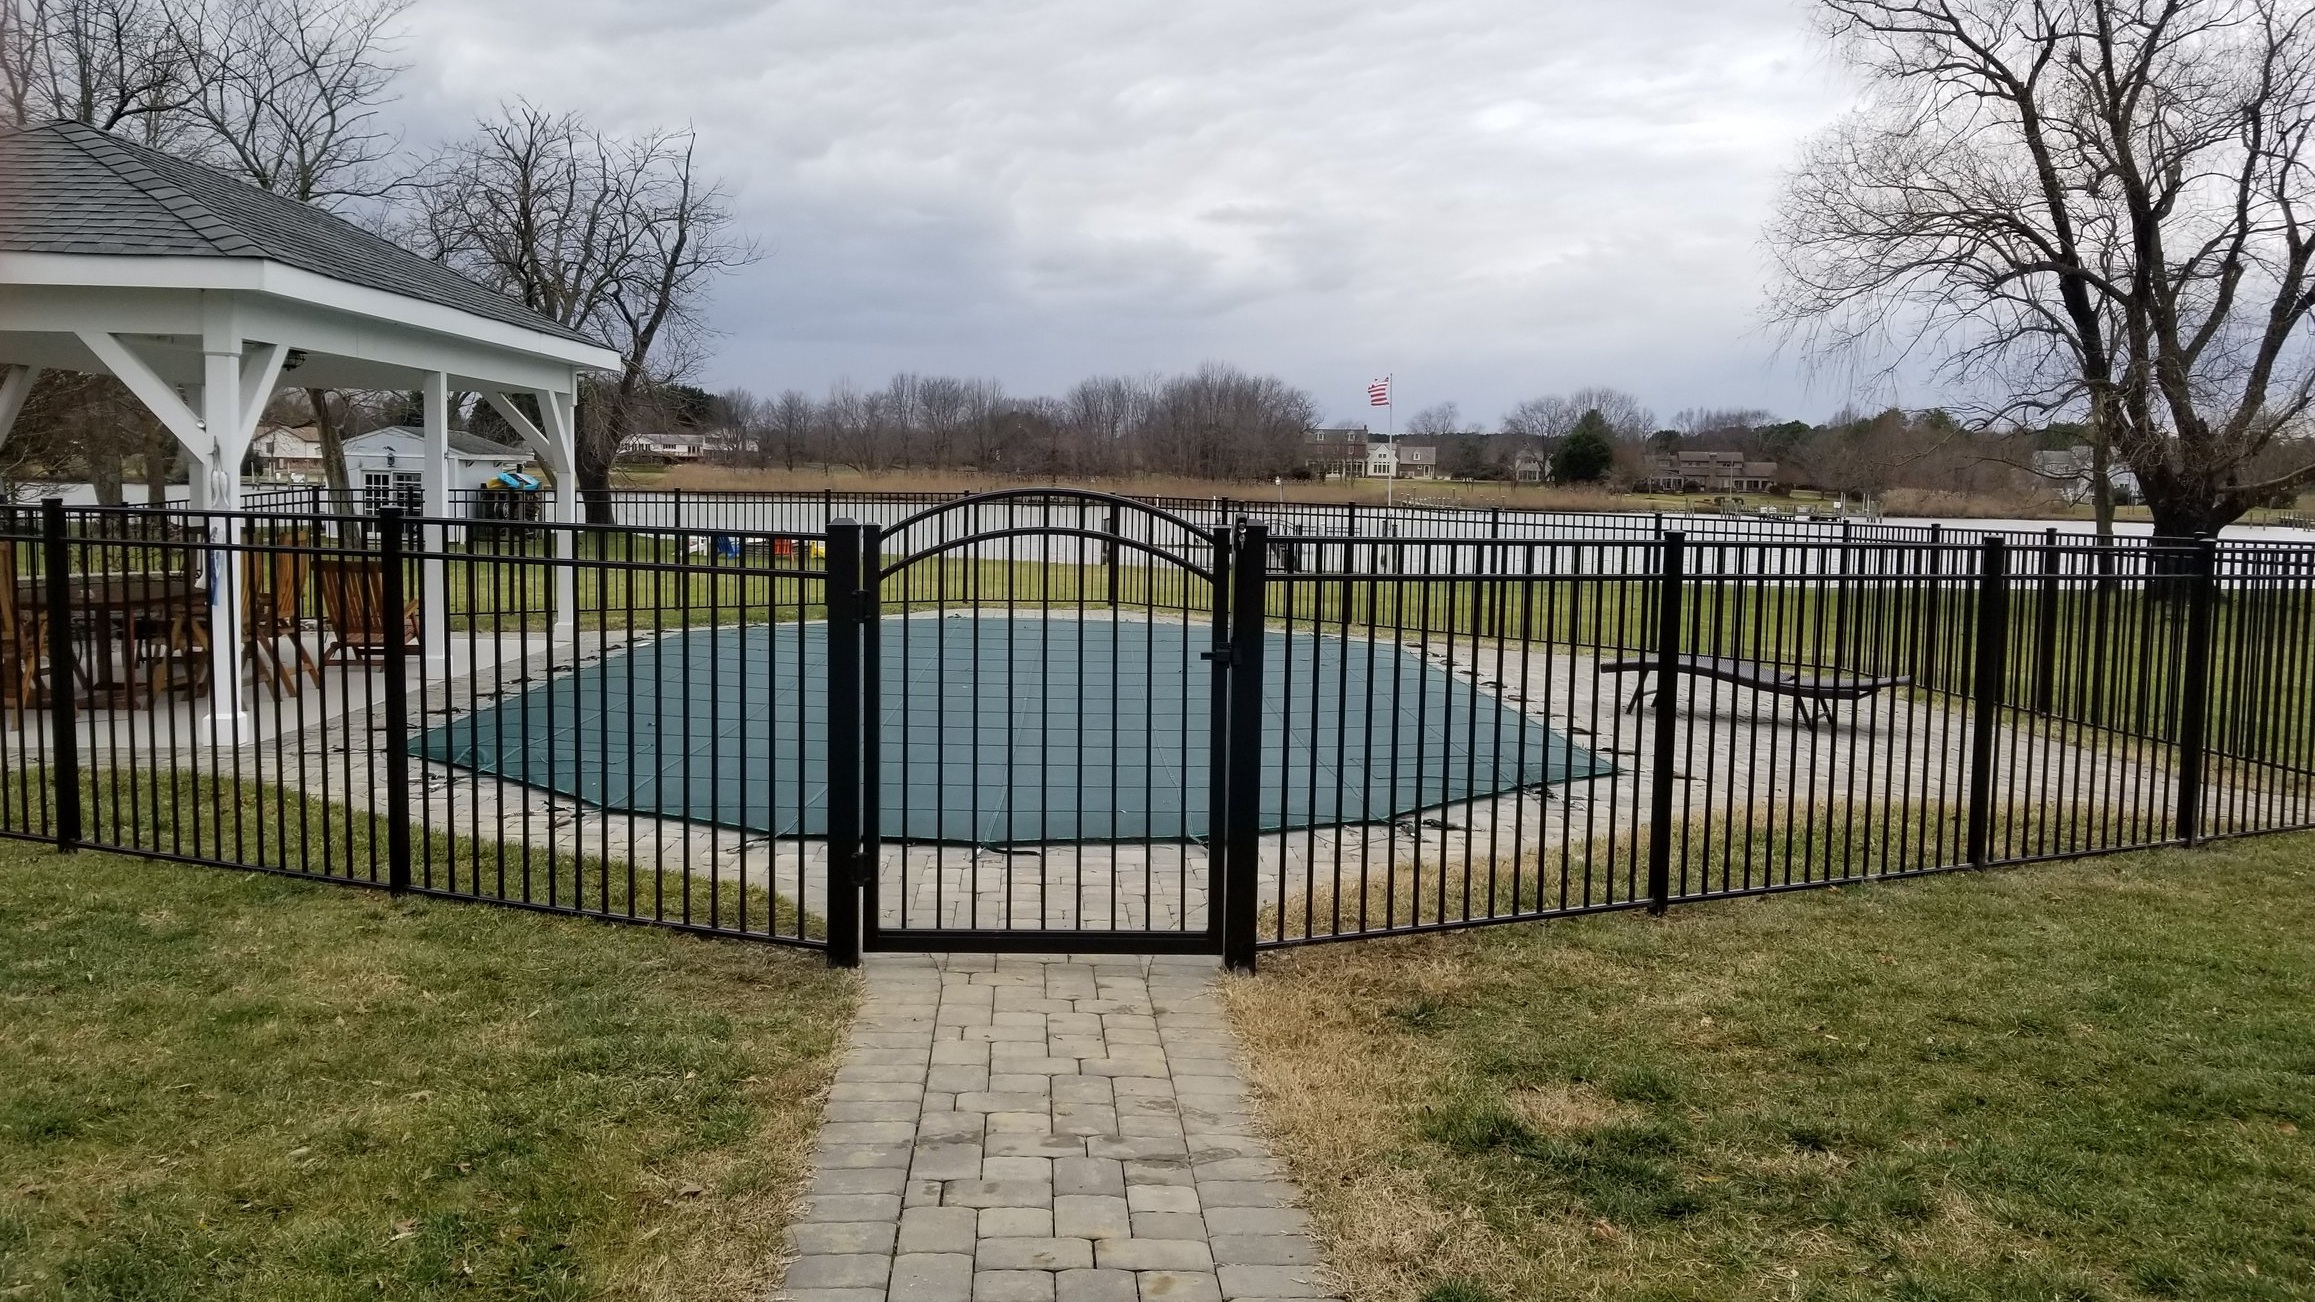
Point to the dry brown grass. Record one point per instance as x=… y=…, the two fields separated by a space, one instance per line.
x=1534 y=497
x=1339 y=1097
x=2073 y=1080
x=1934 y=503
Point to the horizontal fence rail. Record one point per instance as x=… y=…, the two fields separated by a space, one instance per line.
x=810 y=511
x=1024 y=719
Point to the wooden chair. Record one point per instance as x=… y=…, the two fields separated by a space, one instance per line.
x=273 y=585
x=171 y=632
x=273 y=600
x=21 y=635
x=353 y=592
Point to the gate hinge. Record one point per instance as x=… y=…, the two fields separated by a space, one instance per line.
x=1219 y=655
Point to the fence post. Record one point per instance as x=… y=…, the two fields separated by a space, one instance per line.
x=1242 y=785
x=2046 y=628
x=1987 y=675
x=63 y=722
x=844 y=711
x=1671 y=578
x=2194 y=720
x=390 y=544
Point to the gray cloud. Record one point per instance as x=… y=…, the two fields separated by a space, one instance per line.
x=1489 y=198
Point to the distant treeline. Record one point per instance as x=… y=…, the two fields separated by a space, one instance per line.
x=1223 y=423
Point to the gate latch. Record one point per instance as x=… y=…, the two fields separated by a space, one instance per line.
x=1219 y=655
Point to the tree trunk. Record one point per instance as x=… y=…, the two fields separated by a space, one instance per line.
x=160 y=457
x=2183 y=517
x=594 y=458
x=2101 y=475
x=105 y=473
x=332 y=437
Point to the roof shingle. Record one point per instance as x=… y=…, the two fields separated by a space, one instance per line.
x=71 y=188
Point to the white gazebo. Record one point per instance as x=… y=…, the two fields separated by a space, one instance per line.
x=203 y=295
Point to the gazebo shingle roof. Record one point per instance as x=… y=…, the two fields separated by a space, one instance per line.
x=70 y=188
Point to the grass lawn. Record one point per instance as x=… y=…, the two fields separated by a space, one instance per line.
x=2089 y=1080
x=227 y=1085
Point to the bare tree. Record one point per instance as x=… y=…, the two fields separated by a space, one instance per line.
x=1552 y=416
x=1221 y=423
x=2093 y=208
x=290 y=104
x=1542 y=420
x=1435 y=420
x=619 y=237
x=114 y=64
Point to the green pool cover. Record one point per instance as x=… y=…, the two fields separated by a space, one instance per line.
x=1009 y=730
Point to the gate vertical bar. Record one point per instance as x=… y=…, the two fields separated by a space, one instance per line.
x=1242 y=848
x=871 y=733
x=1671 y=578
x=2194 y=712
x=2046 y=628
x=844 y=707
x=1987 y=676
x=390 y=541
x=63 y=724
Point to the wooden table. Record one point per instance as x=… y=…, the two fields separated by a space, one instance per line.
x=114 y=603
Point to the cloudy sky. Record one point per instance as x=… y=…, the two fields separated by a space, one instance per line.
x=1488 y=199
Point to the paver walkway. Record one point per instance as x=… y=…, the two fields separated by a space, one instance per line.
x=1045 y=1129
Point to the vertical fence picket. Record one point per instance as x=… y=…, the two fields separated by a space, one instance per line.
x=1671 y=581
x=1987 y=681
x=1242 y=813
x=2194 y=712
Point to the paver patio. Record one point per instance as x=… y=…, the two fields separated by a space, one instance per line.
x=1045 y=1129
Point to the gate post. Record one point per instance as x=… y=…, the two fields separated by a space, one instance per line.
x=2194 y=712
x=1987 y=686
x=1671 y=579
x=842 y=582
x=871 y=662
x=1242 y=781
x=63 y=731
x=392 y=599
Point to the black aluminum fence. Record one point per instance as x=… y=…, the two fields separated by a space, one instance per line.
x=1835 y=714
x=1059 y=720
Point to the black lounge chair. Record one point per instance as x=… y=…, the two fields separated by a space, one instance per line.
x=1813 y=691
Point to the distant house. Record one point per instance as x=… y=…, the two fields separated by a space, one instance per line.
x=284 y=454
x=665 y=447
x=2068 y=472
x=1398 y=459
x=1708 y=472
x=385 y=463
x=1337 y=450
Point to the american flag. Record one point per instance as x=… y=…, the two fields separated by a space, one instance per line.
x=1378 y=394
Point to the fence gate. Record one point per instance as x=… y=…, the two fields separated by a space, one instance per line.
x=1043 y=694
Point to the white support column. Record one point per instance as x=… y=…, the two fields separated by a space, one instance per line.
x=434 y=477
x=559 y=448
x=228 y=723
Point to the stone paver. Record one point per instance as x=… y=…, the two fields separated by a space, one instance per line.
x=1044 y=1129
